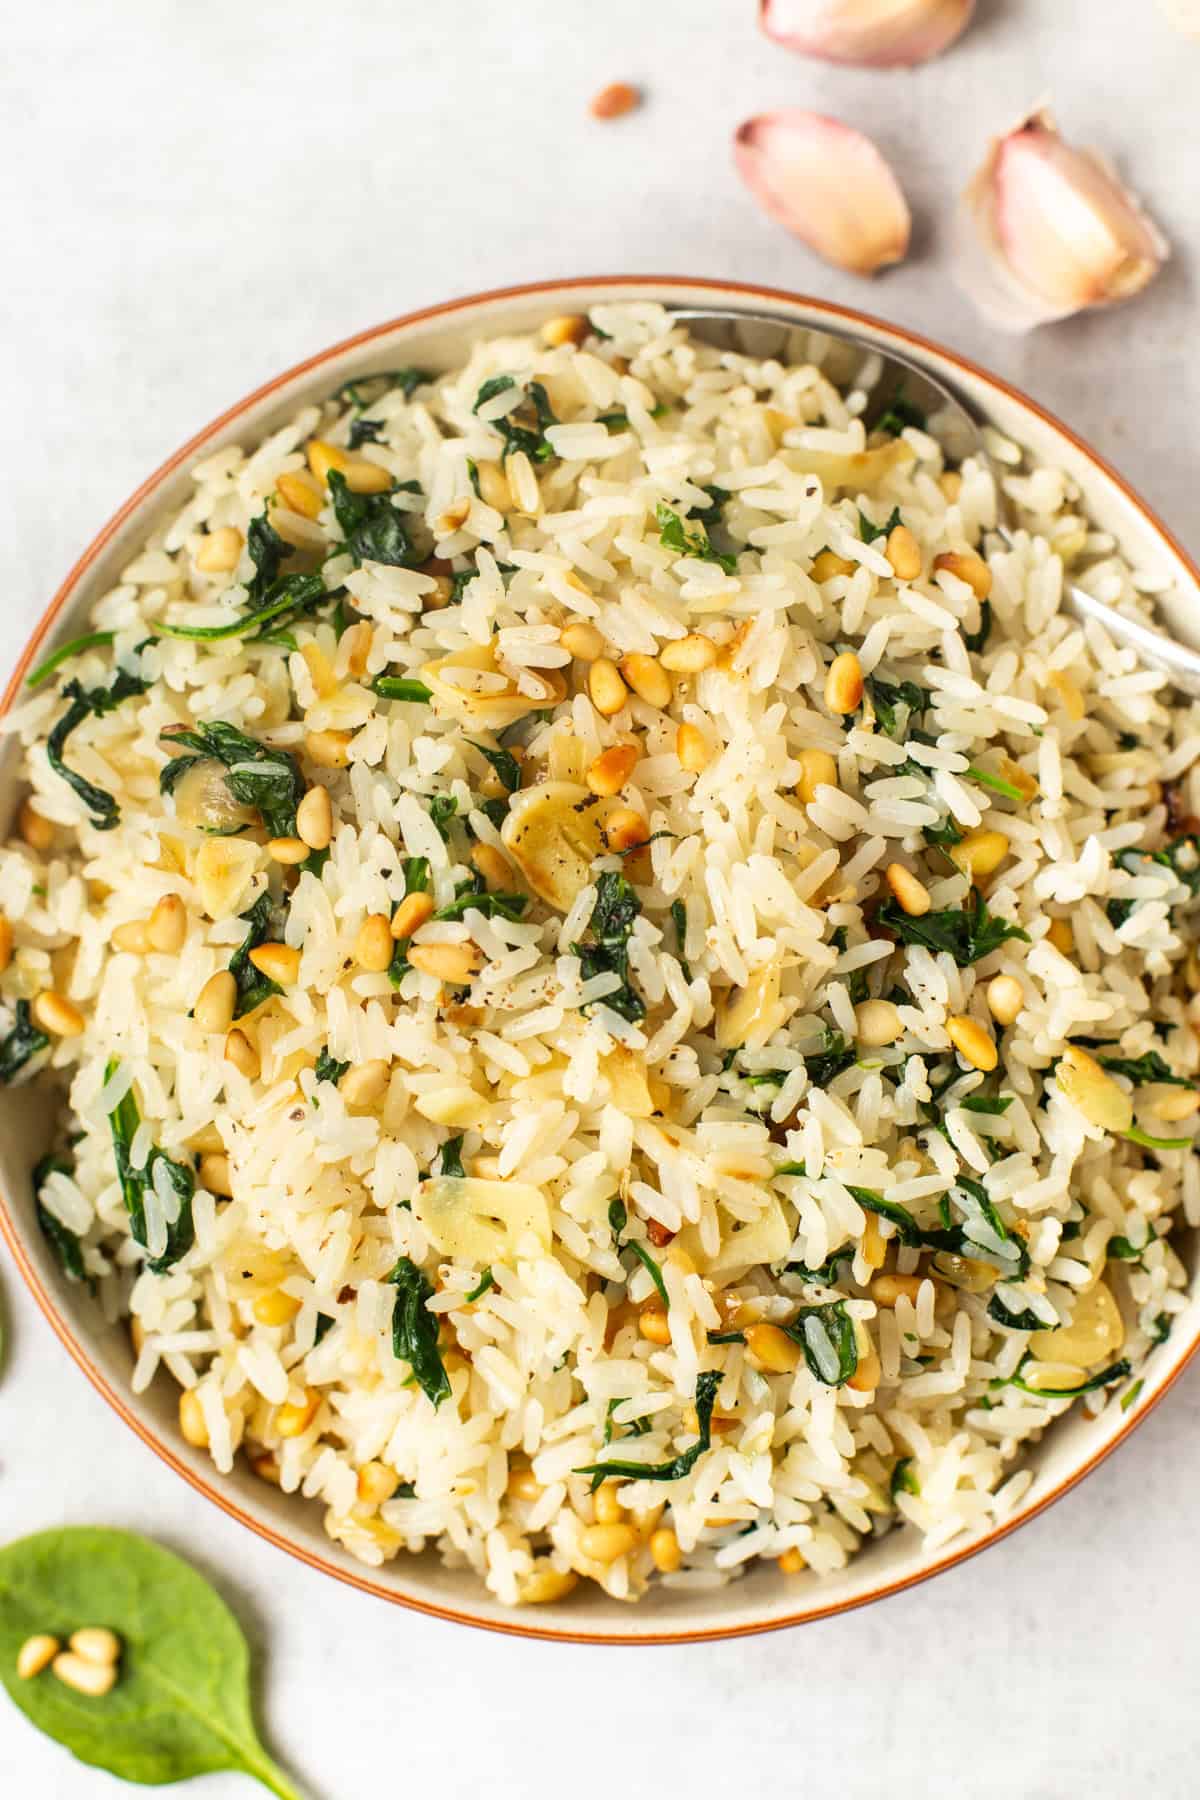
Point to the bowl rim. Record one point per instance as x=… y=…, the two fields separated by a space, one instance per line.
x=649 y=287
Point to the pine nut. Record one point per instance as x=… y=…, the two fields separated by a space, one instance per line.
x=373 y=945
x=493 y=486
x=903 y=552
x=6 y=942
x=844 y=683
x=885 y=1290
x=96 y=1644
x=606 y=1507
x=826 y=564
x=453 y=963
x=214 y=1174
x=288 y=850
x=215 y=1002
x=582 y=640
x=817 y=769
x=1093 y=1091
x=300 y=493
x=873 y=1245
x=612 y=768
x=275 y=1308
x=773 y=1349
x=241 y=1053
x=411 y=914
x=493 y=865
x=967 y=567
x=323 y=457
x=979 y=854
x=360 y=476
x=613 y=101
x=648 y=679
x=85 y=1677
x=665 y=1553
x=568 y=328
x=912 y=894
x=293 y=1420
x=792 y=1563
x=608 y=692
x=36 y=830
x=192 y=1423
x=524 y=1485
x=950 y=482
x=1061 y=936
x=653 y=1325
x=314 y=818
x=1005 y=998
x=265 y=1467
x=624 y=828
x=131 y=937
x=329 y=749
x=439 y=595
x=692 y=749
x=278 y=962
x=1176 y=1106
x=972 y=1042
x=56 y=1014
x=376 y=1483
x=688 y=655
x=878 y=1023
x=866 y=1376
x=605 y=1543
x=166 y=928
x=36 y=1654
x=366 y=1083
x=220 y=551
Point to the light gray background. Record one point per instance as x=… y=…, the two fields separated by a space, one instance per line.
x=195 y=195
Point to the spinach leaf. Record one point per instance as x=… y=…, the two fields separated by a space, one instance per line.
x=486 y=1280
x=1121 y=1250
x=943 y=836
x=253 y=987
x=451 y=1159
x=181 y=1706
x=900 y=414
x=652 y=1269
x=826 y=1336
x=525 y=427
x=254 y=774
x=834 y=1056
x=982 y=1103
x=91 y=640
x=294 y=595
x=707 y=1385
x=64 y=1242
x=372 y=528
x=123 y=1122
x=908 y=1231
x=679 y=921
x=364 y=431
x=868 y=532
x=364 y=390
x=674 y=535
x=325 y=1325
x=1025 y=1320
x=1141 y=1069
x=967 y=934
x=1115 y=1372
x=503 y=762
x=416 y=881
x=827 y=1273
x=611 y=923
x=415 y=1329
x=23 y=1042
x=400 y=687
x=886 y=696
x=492 y=906
x=975 y=640
x=726 y=1337
x=903 y=1480
x=442 y=808
x=91 y=703
x=710 y=515
x=985 y=778
x=328 y=1068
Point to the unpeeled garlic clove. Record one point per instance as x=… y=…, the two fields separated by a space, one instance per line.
x=883 y=34
x=1046 y=230
x=828 y=184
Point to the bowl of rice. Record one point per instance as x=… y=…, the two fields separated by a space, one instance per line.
x=598 y=982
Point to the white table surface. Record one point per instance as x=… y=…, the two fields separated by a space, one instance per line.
x=194 y=196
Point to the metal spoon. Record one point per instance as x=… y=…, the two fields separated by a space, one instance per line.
x=949 y=418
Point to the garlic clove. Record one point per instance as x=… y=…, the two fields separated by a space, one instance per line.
x=1046 y=230
x=882 y=34
x=828 y=184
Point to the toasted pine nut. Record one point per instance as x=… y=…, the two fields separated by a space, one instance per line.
x=873 y=1245
x=166 y=927
x=323 y=457
x=950 y=482
x=288 y=850
x=278 y=962
x=665 y=1553
x=275 y=1308
x=865 y=1378
x=969 y=568
x=314 y=819
x=1005 y=998
x=373 y=945
x=613 y=101
x=773 y=1349
x=567 y=328
x=912 y=894
x=96 y=1644
x=493 y=865
x=524 y=1485
x=36 y=1654
x=582 y=640
x=844 y=683
x=972 y=1042
x=1061 y=936
x=376 y=1483
x=979 y=854
x=215 y=1002
x=885 y=1290
x=792 y=1563
x=648 y=679
x=826 y=564
x=903 y=552
x=1087 y=1086
x=329 y=749
x=241 y=1053
x=365 y=1083
x=36 y=830
x=605 y=1505
x=214 y=1173
x=692 y=749
x=624 y=828
x=612 y=768
x=366 y=477
x=56 y=1014
x=493 y=486
x=300 y=493
x=604 y=1543
x=192 y=1423
x=455 y=963
x=292 y=1420
x=1176 y=1106
x=131 y=937
x=608 y=692
x=817 y=769
x=878 y=1023
x=653 y=1325
x=265 y=1467
x=219 y=552
x=688 y=655
x=85 y=1677
x=6 y=942
x=411 y=914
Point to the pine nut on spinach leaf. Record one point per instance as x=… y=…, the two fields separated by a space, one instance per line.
x=181 y=1703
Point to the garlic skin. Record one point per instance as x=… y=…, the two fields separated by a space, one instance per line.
x=878 y=34
x=828 y=184
x=1046 y=230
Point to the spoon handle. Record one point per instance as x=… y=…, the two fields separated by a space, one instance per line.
x=1153 y=649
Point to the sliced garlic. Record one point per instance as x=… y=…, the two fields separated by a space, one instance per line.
x=1096 y=1332
x=223 y=871
x=747 y=1016
x=481 y=1221
x=1086 y=1085
x=554 y=832
x=767 y=1240
x=883 y=34
x=1046 y=230
x=203 y=800
x=454 y=1105
x=481 y=694
x=828 y=184
x=859 y=470
x=628 y=1085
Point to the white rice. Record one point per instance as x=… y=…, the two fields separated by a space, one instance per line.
x=714 y=1099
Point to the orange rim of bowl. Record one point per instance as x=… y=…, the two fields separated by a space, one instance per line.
x=650 y=287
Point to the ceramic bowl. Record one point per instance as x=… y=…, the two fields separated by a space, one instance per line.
x=441 y=336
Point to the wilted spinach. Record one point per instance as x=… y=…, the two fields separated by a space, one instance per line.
x=415 y=1329
x=372 y=528
x=328 y=1068
x=503 y=762
x=1115 y=1372
x=401 y=687
x=967 y=934
x=525 y=427
x=91 y=703
x=826 y=1336
x=91 y=640
x=869 y=532
x=254 y=774
x=22 y=1043
x=707 y=1385
x=123 y=1122
x=64 y=1242
x=451 y=1162
x=887 y=696
x=611 y=923
x=253 y=987
x=673 y=534
x=365 y=390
